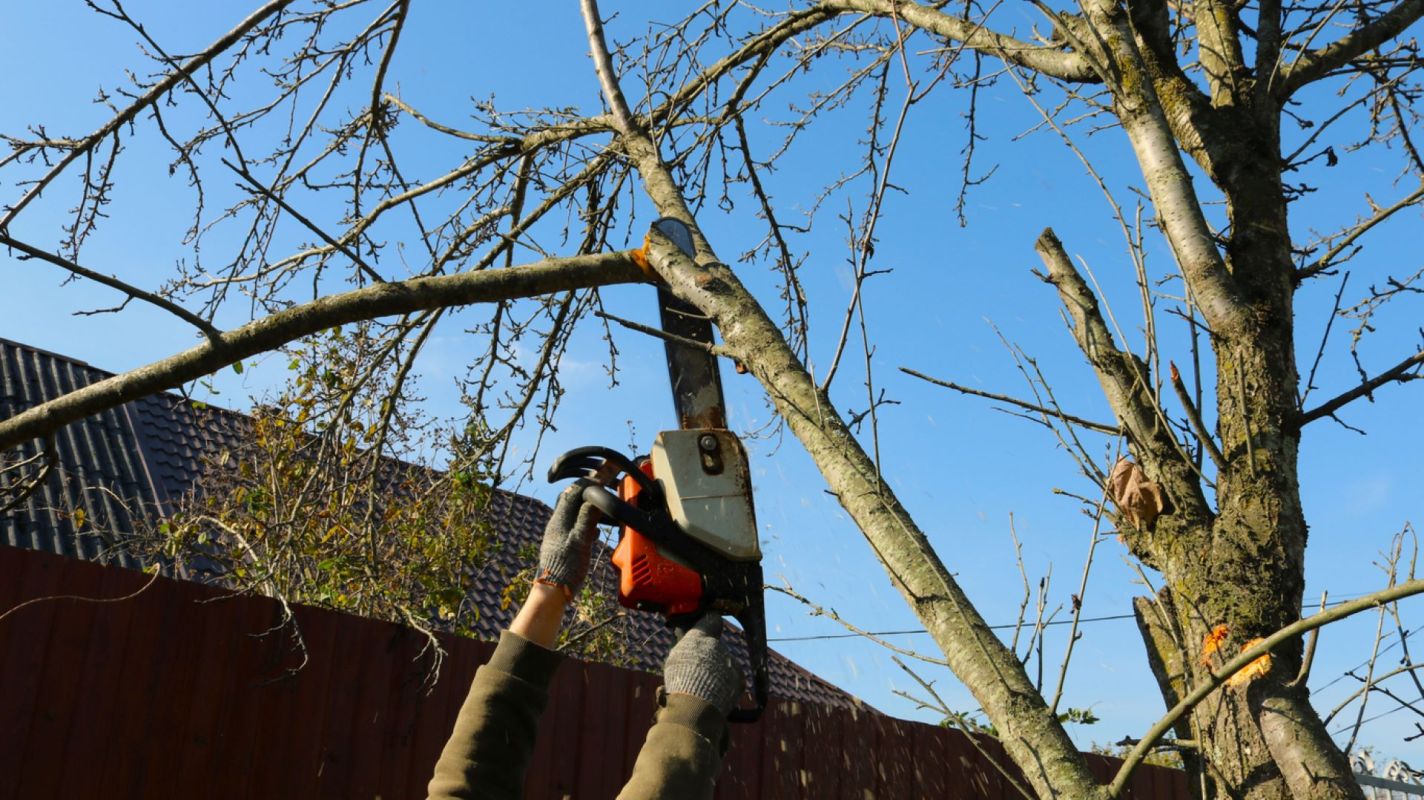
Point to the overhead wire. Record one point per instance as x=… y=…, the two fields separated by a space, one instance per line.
x=1010 y=626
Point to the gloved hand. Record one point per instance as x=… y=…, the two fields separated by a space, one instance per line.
x=568 y=538
x=700 y=665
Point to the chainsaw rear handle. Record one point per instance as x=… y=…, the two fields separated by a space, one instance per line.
x=753 y=622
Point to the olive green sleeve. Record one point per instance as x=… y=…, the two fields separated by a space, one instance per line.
x=682 y=754
x=490 y=747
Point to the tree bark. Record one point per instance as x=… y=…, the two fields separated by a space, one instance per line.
x=275 y=330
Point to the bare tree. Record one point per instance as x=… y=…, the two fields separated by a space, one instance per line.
x=1204 y=88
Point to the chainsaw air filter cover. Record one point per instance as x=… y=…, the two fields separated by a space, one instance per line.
x=704 y=475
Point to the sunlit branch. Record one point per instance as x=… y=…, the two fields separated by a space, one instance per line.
x=1317 y=64
x=1054 y=62
x=147 y=99
x=1402 y=372
x=113 y=283
x=396 y=297
x=1100 y=427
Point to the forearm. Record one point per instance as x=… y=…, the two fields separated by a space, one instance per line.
x=541 y=615
x=682 y=754
x=489 y=750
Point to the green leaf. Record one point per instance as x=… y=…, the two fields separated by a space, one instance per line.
x=237 y=367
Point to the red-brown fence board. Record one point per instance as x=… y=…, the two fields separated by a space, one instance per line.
x=855 y=763
x=740 y=778
x=820 y=751
x=183 y=690
x=781 y=744
x=25 y=663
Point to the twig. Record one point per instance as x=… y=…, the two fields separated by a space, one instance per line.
x=1324 y=339
x=1002 y=398
x=1327 y=260
x=1079 y=599
x=51 y=459
x=1027 y=591
x=82 y=599
x=1399 y=372
x=1194 y=417
x=973 y=738
x=148 y=98
x=831 y=614
x=258 y=187
x=714 y=349
x=113 y=283
x=1369 y=674
x=584 y=634
x=1309 y=658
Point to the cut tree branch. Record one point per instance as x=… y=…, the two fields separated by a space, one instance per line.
x=269 y=333
x=1244 y=658
x=1033 y=737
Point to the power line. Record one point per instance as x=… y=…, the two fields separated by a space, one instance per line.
x=1108 y=618
x=922 y=630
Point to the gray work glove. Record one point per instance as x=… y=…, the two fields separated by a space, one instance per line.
x=700 y=665
x=568 y=538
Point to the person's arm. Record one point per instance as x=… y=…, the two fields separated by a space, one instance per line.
x=488 y=752
x=683 y=752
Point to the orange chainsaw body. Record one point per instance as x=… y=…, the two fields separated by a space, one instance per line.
x=648 y=579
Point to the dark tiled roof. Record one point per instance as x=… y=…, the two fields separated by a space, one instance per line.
x=133 y=463
x=99 y=483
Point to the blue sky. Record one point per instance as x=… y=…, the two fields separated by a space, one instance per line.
x=960 y=466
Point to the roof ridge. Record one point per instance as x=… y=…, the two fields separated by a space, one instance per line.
x=52 y=354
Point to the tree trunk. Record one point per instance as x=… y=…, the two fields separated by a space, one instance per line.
x=1260 y=738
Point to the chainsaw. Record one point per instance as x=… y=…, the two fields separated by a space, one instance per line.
x=688 y=543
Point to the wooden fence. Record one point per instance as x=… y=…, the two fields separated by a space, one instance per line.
x=176 y=692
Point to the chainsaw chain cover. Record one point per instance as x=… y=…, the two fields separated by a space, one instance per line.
x=707 y=488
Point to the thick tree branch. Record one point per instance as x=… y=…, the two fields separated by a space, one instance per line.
x=269 y=333
x=1054 y=62
x=1124 y=380
x=147 y=99
x=1316 y=64
x=1403 y=371
x=1031 y=734
x=1220 y=48
x=1245 y=657
x=1179 y=210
